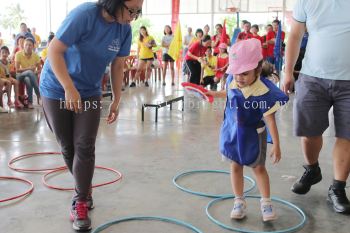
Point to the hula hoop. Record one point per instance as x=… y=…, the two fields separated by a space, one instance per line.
x=44 y=179
x=286 y=203
x=29 y=191
x=207 y=194
x=25 y=156
x=143 y=218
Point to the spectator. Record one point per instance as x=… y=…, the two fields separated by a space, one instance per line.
x=270 y=40
x=264 y=45
x=209 y=64
x=24 y=32
x=5 y=75
x=43 y=54
x=324 y=83
x=27 y=68
x=217 y=38
x=206 y=30
x=187 y=39
x=198 y=36
x=246 y=34
x=37 y=38
x=222 y=65
x=168 y=37
x=145 y=55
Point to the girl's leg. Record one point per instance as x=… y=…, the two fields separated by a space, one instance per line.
x=239 y=206
x=165 y=66
x=15 y=84
x=172 y=73
x=237 y=179
x=263 y=180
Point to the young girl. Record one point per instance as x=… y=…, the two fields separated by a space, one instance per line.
x=222 y=64
x=6 y=77
x=166 y=41
x=251 y=101
x=145 y=56
x=209 y=64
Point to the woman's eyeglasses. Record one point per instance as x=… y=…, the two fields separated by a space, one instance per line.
x=132 y=12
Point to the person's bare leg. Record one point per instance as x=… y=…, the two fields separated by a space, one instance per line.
x=263 y=180
x=311 y=148
x=165 y=66
x=237 y=179
x=172 y=73
x=341 y=159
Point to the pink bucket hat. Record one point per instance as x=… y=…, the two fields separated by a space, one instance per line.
x=244 y=56
x=222 y=46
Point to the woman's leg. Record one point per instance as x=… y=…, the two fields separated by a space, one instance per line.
x=140 y=68
x=60 y=122
x=148 y=70
x=165 y=66
x=172 y=73
x=84 y=136
x=195 y=71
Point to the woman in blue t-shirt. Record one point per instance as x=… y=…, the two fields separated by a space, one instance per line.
x=92 y=36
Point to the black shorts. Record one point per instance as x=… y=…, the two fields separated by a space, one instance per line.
x=147 y=59
x=167 y=58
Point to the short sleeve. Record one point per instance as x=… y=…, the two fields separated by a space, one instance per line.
x=126 y=45
x=194 y=48
x=73 y=27
x=270 y=35
x=272 y=100
x=17 y=57
x=299 y=13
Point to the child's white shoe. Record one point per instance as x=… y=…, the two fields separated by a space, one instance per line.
x=267 y=210
x=239 y=208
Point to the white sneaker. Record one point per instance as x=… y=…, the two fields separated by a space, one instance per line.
x=267 y=210
x=2 y=110
x=239 y=208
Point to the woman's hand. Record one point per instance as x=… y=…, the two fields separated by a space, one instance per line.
x=113 y=112
x=275 y=153
x=73 y=100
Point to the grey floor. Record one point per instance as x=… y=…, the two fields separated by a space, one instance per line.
x=149 y=155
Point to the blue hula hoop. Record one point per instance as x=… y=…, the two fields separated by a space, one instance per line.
x=143 y=218
x=287 y=230
x=252 y=181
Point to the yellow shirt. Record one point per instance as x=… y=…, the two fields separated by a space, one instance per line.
x=209 y=71
x=26 y=62
x=4 y=69
x=43 y=54
x=37 y=40
x=145 y=52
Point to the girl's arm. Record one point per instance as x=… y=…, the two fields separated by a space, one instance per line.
x=271 y=124
x=217 y=94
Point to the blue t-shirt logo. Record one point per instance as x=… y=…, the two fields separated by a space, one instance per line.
x=114 y=46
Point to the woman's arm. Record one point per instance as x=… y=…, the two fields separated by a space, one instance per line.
x=59 y=67
x=117 y=75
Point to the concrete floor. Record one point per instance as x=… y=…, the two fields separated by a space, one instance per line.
x=149 y=155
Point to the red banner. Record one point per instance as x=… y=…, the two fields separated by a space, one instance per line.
x=175 y=10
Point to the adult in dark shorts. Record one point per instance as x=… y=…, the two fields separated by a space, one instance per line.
x=324 y=82
x=167 y=38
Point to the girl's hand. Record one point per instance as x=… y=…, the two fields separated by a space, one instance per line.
x=275 y=153
x=73 y=100
x=113 y=112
